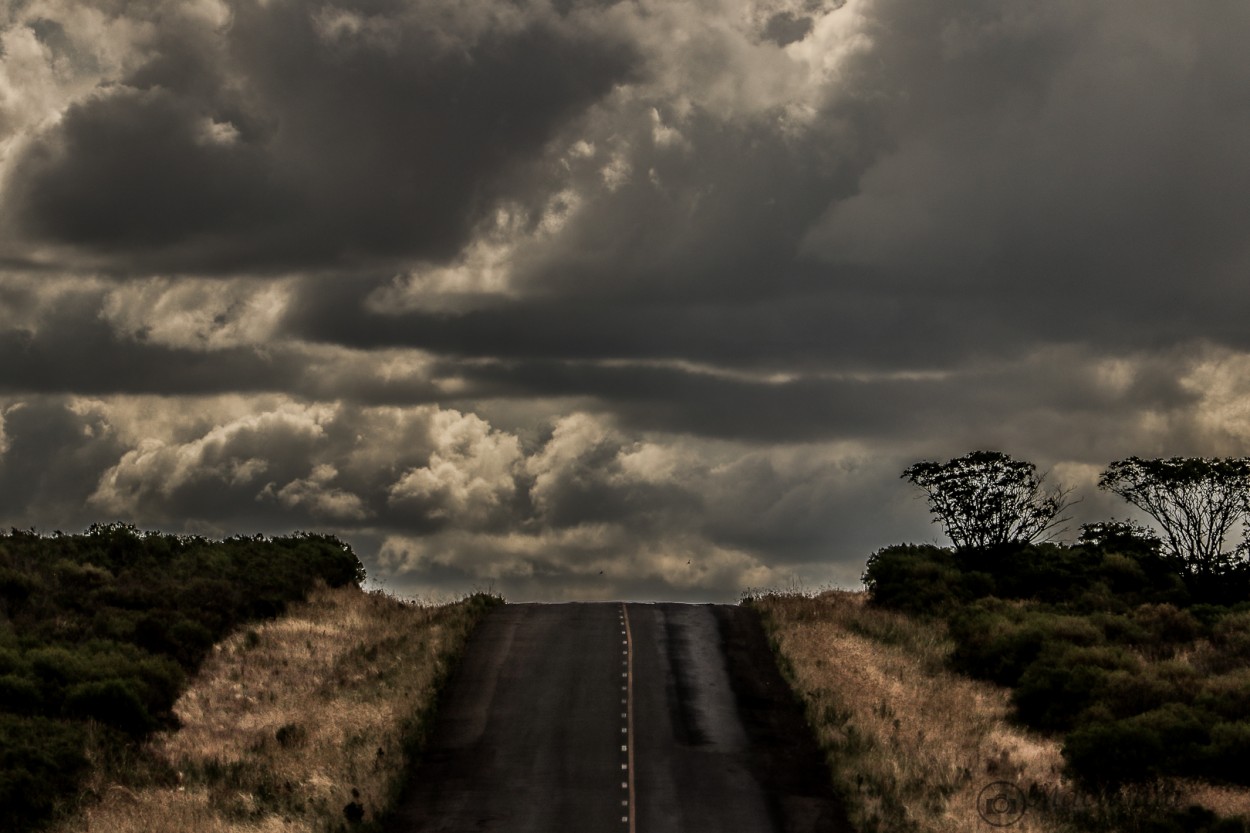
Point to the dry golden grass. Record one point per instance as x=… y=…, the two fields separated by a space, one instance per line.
x=1227 y=801
x=292 y=721
x=912 y=744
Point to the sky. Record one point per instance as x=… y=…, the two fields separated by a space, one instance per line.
x=650 y=299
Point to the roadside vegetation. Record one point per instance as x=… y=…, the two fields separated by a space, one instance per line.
x=150 y=682
x=307 y=722
x=99 y=632
x=910 y=743
x=1095 y=687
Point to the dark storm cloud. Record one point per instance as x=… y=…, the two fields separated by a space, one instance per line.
x=51 y=457
x=994 y=400
x=1071 y=169
x=759 y=373
x=602 y=298
x=797 y=321
x=309 y=137
x=95 y=360
x=984 y=179
x=182 y=338
x=130 y=172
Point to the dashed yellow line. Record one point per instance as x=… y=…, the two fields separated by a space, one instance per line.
x=629 y=718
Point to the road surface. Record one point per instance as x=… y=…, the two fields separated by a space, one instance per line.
x=619 y=718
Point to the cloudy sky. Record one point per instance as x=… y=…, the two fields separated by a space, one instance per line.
x=593 y=299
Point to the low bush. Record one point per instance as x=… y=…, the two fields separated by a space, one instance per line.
x=1225 y=759
x=998 y=641
x=1064 y=681
x=918 y=579
x=1149 y=686
x=113 y=702
x=1103 y=757
x=40 y=763
x=1167 y=624
x=1230 y=635
x=1226 y=695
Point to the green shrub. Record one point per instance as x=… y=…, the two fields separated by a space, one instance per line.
x=11 y=661
x=16 y=588
x=1230 y=635
x=1229 y=751
x=112 y=702
x=1174 y=739
x=1225 y=587
x=1064 y=681
x=1152 y=686
x=19 y=694
x=1122 y=573
x=1120 y=628
x=40 y=762
x=920 y=579
x=997 y=641
x=1102 y=757
x=1226 y=695
x=1046 y=572
x=1137 y=577
x=189 y=642
x=993 y=645
x=1167 y=623
x=57 y=669
x=1185 y=732
x=1088 y=639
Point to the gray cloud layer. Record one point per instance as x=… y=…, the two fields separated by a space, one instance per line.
x=595 y=299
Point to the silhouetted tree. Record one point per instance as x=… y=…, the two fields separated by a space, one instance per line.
x=1194 y=500
x=985 y=499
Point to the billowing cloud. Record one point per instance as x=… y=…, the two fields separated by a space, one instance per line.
x=319 y=497
x=595 y=298
x=258 y=134
x=470 y=477
x=243 y=454
x=196 y=314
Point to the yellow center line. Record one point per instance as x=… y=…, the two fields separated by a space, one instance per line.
x=629 y=710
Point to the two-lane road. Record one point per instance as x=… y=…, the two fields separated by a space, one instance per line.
x=614 y=718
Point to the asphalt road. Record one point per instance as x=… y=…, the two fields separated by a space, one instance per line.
x=612 y=718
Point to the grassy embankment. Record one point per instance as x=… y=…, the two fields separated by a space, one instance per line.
x=306 y=722
x=912 y=744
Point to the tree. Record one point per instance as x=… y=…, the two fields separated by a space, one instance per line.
x=986 y=498
x=1194 y=500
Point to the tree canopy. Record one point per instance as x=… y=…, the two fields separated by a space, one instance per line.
x=1196 y=501
x=985 y=499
